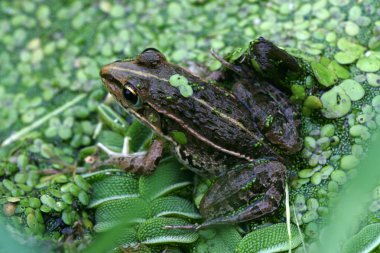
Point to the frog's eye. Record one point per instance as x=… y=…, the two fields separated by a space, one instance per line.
x=131 y=96
x=151 y=57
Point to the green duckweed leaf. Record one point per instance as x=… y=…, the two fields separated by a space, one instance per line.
x=353 y=89
x=345 y=44
x=336 y=103
x=368 y=64
x=339 y=70
x=178 y=80
x=325 y=76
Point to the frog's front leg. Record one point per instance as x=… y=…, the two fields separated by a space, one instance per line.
x=247 y=193
x=139 y=162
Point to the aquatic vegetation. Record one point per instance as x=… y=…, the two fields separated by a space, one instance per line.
x=43 y=168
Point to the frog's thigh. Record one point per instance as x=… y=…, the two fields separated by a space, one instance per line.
x=244 y=194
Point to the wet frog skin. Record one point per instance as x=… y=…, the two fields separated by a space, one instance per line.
x=239 y=137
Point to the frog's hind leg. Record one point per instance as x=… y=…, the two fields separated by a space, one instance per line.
x=139 y=162
x=244 y=194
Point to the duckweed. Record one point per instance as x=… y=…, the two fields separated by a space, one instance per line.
x=186 y=90
x=325 y=76
x=353 y=89
x=346 y=44
x=310 y=142
x=339 y=176
x=313 y=102
x=305 y=173
x=345 y=57
x=178 y=80
x=368 y=64
x=376 y=103
x=319 y=27
x=34 y=202
x=312 y=204
x=335 y=103
x=316 y=178
x=332 y=187
x=339 y=70
x=357 y=150
x=349 y=162
x=359 y=131
x=328 y=130
x=351 y=28
x=311 y=230
x=326 y=171
x=373 y=79
x=374 y=43
x=309 y=216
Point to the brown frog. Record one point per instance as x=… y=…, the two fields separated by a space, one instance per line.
x=239 y=136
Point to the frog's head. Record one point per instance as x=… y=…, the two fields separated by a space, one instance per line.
x=142 y=86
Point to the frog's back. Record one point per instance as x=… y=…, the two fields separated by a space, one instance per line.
x=215 y=118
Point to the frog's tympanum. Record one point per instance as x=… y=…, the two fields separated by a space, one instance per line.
x=240 y=137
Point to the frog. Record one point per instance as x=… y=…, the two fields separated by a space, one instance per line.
x=241 y=138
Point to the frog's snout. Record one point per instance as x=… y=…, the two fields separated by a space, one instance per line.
x=111 y=79
x=104 y=71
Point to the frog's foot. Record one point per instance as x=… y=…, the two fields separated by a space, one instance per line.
x=274 y=63
x=139 y=162
x=184 y=227
x=244 y=194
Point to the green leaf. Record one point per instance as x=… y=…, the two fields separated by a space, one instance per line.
x=270 y=239
x=112 y=140
x=153 y=232
x=118 y=235
x=325 y=76
x=109 y=214
x=111 y=119
x=139 y=134
x=113 y=187
x=167 y=177
x=365 y=241
x=174 y=206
